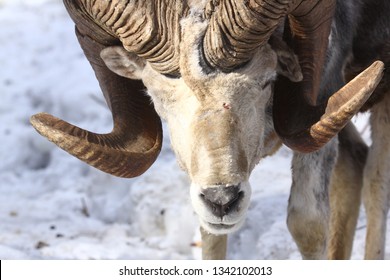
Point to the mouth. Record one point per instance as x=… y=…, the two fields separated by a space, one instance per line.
x=221 y=228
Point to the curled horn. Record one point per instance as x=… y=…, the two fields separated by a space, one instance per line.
x=238 y=28
x=148 y=28
x=310 y=128
x=135 y=142
x=301 y=123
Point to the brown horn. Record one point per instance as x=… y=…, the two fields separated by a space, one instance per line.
x=135 y=142
x=302 y=124
x=310 y=128
x=238 y=28
x=150 y=29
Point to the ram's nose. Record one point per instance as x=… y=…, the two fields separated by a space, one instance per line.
x=222 y=200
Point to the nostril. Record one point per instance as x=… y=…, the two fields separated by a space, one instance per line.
x=222 y=200
x=234 y=200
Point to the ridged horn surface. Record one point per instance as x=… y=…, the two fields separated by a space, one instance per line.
x=238 y=28
x=148 y=28
x=115 y=153
x=135 y=142
x=309 y=131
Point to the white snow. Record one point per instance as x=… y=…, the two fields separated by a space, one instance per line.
x=52 y=206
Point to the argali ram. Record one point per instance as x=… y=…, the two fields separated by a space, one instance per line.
x=234 y=80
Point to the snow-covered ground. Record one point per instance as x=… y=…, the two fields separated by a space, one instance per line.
x=52 y=206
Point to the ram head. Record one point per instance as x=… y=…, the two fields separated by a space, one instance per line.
x=225 y=75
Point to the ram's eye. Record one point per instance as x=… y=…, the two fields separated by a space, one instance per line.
x=173 y=76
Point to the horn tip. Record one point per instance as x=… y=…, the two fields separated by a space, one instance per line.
x=378 y=63
x=43 y=124
x=38 y=120
x=376 y=70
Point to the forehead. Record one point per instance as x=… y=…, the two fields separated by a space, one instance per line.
x=248 y=78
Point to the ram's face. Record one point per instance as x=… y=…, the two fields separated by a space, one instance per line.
x=217 y=125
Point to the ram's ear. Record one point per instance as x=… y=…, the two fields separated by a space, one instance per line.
x=288 y=62
x=123 y=63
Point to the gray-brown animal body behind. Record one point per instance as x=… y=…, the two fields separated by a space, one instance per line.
x=234 y=80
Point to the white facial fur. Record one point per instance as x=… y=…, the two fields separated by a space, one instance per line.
x=218 y=122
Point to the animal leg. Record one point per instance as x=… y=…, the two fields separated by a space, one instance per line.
x=308 y=208
x=213 y=246
x=376 y=193
x=345 y=192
